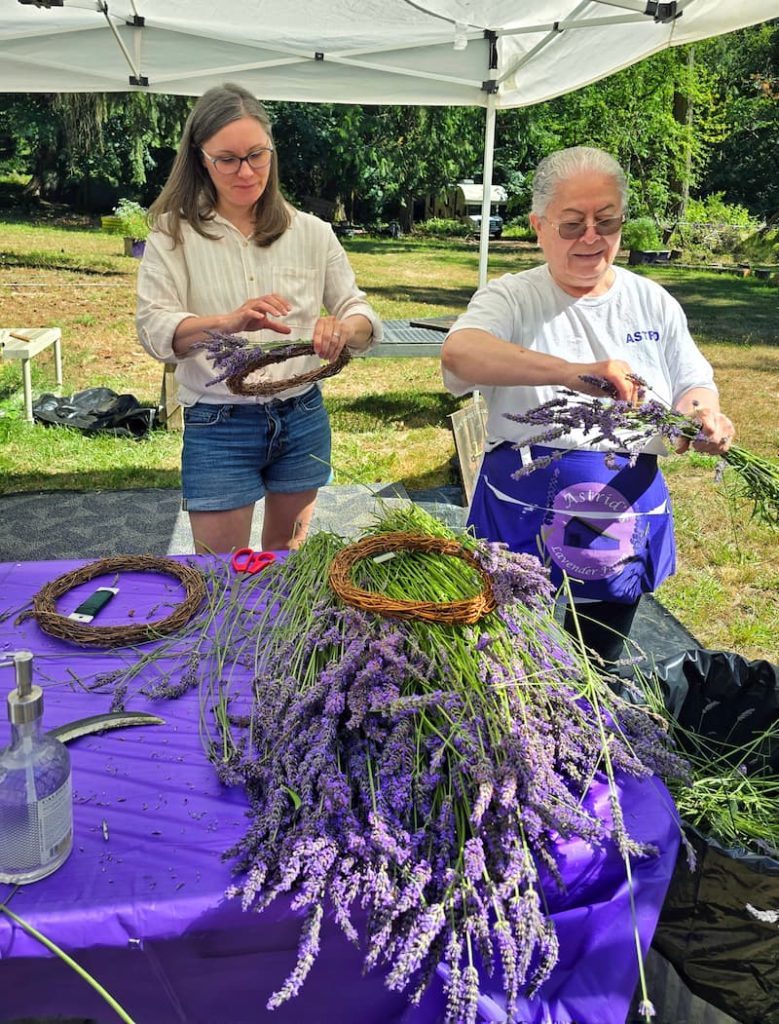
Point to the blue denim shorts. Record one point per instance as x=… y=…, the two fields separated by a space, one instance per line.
x=234 y=453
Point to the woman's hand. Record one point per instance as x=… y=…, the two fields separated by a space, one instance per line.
x=330 y=336
x=620 y=375
x=717 y=428
x=254 y=315
x=702 y=406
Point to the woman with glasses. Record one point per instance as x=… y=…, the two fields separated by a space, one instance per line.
x=229 y=254
x=523 y=336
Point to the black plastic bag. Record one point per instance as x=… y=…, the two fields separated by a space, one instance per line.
x=96 y=410
x=708 y=928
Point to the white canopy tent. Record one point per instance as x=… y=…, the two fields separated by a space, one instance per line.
x=490 y=53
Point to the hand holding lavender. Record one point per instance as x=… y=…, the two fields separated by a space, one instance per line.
x=233 y=355
x=628 y=428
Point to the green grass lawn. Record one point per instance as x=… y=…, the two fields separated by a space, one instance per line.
x=390 y=415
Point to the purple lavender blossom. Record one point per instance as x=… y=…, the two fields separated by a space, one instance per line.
x=424 y=776
x=233 y=355
x=473 y=859
x=626 y=428
x=307 y=954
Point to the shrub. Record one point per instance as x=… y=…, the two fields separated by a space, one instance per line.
x=641 y=233
x=442 y=227
x=713 y=228
x=129 y=219
x=519 y=227
x=762 y=246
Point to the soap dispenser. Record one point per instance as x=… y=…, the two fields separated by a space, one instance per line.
x=36 y=802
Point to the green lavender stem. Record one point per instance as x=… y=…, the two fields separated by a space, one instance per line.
x=54 y=948
x=591 y=682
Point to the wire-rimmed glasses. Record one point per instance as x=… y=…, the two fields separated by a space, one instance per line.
x=571 y=229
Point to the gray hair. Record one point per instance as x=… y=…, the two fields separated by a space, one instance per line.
x=566 y=163
x=189 y=194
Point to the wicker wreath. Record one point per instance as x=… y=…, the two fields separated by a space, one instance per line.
x=238 y=386
x=45 y=602
x=462 y=612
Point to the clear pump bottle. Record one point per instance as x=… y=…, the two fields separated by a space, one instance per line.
x=36 y=802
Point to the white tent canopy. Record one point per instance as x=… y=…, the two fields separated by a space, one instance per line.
x=491 y=53
x=368 y=51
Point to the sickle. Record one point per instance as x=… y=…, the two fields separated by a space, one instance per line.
x=99 y=723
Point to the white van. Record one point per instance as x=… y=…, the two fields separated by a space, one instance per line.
x=496 y=223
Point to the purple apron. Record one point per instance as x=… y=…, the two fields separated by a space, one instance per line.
x=608 y=529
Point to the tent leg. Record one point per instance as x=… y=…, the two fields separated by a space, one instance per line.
x=486 y=205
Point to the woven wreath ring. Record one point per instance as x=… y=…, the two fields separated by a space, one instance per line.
x=49 y=619
x=461 y=612
x=238 y=386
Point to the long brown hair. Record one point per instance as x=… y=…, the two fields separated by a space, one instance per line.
x=189 y=194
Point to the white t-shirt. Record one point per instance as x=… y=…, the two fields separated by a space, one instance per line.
x=210 y=276
x=635 y=320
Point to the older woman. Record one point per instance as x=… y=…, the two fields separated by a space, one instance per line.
x=229 y=254
x=523 y=336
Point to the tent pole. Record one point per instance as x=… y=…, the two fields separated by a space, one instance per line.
x=486 y=205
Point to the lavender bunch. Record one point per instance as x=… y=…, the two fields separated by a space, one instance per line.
x=417 y=776
x=232 y=354
x=414 y=778
x=628 y=428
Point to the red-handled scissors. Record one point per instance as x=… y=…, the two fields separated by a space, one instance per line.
x=247 y=561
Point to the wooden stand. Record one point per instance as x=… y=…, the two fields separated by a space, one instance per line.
x=24 y=344
x=170 y=414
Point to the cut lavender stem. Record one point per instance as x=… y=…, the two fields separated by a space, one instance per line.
x=627 y=429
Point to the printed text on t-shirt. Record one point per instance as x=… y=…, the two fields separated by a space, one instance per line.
x=637 y=336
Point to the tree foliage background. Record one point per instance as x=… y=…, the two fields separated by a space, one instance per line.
x=685 y=122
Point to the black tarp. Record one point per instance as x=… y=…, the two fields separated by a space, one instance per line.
x=708 y=929
x=96 y=410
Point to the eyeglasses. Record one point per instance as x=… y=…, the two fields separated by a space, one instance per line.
x=570 y=229
x=257 y=159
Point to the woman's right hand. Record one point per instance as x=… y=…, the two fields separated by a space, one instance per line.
x=618 y=373
x=254 y=315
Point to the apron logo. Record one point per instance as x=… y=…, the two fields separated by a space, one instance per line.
x=593 y=531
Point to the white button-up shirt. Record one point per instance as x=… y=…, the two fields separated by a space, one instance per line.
x=307 y=266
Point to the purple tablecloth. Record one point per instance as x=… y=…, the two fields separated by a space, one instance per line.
x=140 y=902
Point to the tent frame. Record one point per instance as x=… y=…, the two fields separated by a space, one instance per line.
x=430 y=31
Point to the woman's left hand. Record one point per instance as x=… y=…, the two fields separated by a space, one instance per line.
x=330 y=337
x=717 y=428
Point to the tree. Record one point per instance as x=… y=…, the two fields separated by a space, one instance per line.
x=679 y=183
x=68 y=143
x=376 y=160
x=32 y=138
x=637 y=115
x=308 y=137
x=746 y=67
x=422 y=150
